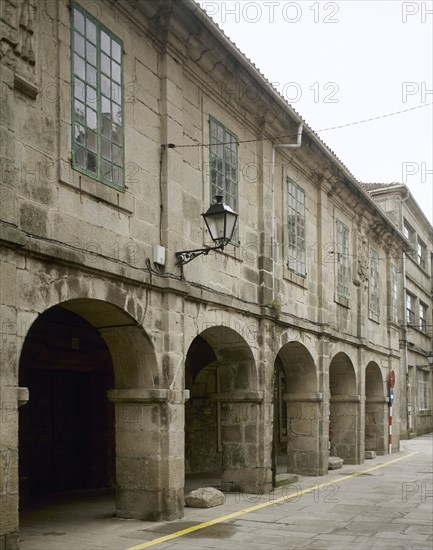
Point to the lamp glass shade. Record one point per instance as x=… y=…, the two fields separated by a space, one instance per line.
x=231 y=218
x=220 y=220
x=430 y=358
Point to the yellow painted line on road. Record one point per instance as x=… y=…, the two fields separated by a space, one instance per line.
x=214 y=521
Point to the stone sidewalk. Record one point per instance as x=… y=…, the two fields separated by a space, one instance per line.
x=387 y=507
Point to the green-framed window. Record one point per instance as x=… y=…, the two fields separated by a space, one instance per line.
x=296 y=228
x=374 y=281
x=97 y=100
x=343 y=261
x=224 y=166
x=422 y=317
x=394 y=294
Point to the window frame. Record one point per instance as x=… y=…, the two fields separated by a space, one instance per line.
x=234 y=204
x=422 y=311
x=374 y=291
x=97 y=88
x=394 y=294
x=299 y=246
x=343 y=259
x=423 y=397
x=421 y=253
x=410 y=234
x=410 y=316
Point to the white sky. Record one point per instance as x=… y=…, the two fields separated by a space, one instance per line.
x=345 y=61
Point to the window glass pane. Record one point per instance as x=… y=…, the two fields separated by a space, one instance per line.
x=79 y=134
x=115 y=71
x=79 y=88
x=80 y=156
x=107 y=170
x=91 y=53
x=117 y=154
x=115 y=51
x=105 y=43
x=79 y=67
x=91 y=118
x=79 y=44
x=105 y=85
x=106 y=148
x=91 y=31
x=91 y=140
x=91 y=162
x=117 y=134
x=117 y=113
x=105 y=107
x=117 y=175
x=79 y=112
x=91 y=74
x=105 y=64
x=91 y=97
x=115 y=92
x=106 y=127
x=78 y=21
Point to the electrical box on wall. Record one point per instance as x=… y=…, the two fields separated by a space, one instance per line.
x=159 y=254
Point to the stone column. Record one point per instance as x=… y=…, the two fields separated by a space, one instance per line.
x=242 y=429
x=376 y=424
x=149 y=453
x=306 y=449
x=345 y=437
x=11 y=398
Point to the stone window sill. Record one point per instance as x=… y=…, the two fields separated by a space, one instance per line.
x=294 y=278
x=374 y=317
x=342 y=301
x=95 y=189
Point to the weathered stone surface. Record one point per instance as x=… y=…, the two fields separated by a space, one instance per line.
x=369 y=455
x=335 y=463
x=205 y=497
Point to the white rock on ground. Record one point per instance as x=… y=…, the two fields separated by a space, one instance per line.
x=205 y=497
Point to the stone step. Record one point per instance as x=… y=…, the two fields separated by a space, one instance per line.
x=285 y=479
x=369 y=455
x=335 y=463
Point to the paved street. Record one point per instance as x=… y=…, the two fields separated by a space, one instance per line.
x=384 y=503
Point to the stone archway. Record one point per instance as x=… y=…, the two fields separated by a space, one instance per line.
x=376 y=410
x=223 y=417
x=299 y=404
x=130 y=382
x=344 y=434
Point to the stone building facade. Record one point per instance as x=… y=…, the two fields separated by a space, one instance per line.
x=119 y=123
x=416 y=306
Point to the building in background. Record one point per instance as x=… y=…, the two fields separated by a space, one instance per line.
x=415 y=305
x=120 y=122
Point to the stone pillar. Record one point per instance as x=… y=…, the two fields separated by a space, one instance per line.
x=149 y=453
x=376 y=424
x=306 y=449
x=344 y=435
x=242 y=427
x=11 y=398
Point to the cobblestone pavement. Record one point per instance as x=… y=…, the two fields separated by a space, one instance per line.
x=384 y=503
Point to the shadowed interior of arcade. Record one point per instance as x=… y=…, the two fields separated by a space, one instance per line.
x=298 y=443
x=67 y=427
x=222 y=415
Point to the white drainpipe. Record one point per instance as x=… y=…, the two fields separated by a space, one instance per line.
x=283 y=146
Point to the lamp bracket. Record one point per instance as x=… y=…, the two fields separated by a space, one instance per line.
x=186 y=256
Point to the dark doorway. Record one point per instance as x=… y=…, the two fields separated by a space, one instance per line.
x=67 y=428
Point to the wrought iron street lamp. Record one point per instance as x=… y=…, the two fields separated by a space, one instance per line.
x=220 y=221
